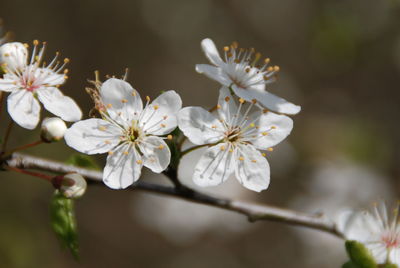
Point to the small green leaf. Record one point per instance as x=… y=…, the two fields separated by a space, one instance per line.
x=359 y=255
x=350 y=264
x=63 y=222
x=83 y=161
x=389 y=265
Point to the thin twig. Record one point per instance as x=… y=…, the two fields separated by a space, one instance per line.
x=253 y=211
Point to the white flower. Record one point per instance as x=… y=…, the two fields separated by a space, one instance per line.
x=378 y=231
x=30 y=83
x=235 y=136
x=239 y=72
x=53 y=129
x=128 y=132
x=73 y=185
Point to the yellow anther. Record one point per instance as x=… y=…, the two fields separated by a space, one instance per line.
x=264 y=133
x=270 y=149
x=247 y=70
x=213 y=126
x=134 y=93
x=163 y=125
x=26 y=45
x=270 y=69
x=66 y=71
x=252 y=125
x=231 y=150
x=241 y=158
x=222 y=148
x=156 y=107
x=126 y=153
x=226 y=48
x=218 y=106
x=227 y=98
x=267 y=60
x=254 y=161
x=107 y=142
x=109 y=105
x=229 y=54
x=276 y=68
x=264 y=154
x=254 y=101
x=266 y=77
x=102 y=128
x=235 y=44
x=265 y=111
x=6 y=55
x=237 y=61
x=273 y=127
x=139 y=162
x=65 y=77
x=35 y=42
x=169 y=137
x=124 y=100
x=110 y=153
x=161 y=147
x=241 y=100
x=66 y=60
x=148 y=98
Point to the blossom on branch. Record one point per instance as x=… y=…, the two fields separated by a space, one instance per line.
x=238 y=70
x=32 y=82
x=378 y=231
x=235 y=137
x=128 y=132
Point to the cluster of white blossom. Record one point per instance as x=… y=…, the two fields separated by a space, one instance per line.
x=133 y=134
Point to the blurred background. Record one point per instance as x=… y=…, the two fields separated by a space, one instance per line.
x=339 y=60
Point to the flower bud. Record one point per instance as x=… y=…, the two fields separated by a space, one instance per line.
x=71 y=185
x=53 y=129
x=14 y=55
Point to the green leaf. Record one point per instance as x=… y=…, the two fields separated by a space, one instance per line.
x=350 y=264
x=83 y=161
x=389 y=265
x=63 y=222
x=359 y=255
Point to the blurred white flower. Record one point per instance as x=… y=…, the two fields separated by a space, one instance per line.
x=127 y=132
x=239 y=72
x=378 y=231
x=29 y=83
x=53 y=129
x=335 y=185
x=235 y=138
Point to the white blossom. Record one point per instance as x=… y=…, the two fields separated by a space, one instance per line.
x=235 y=137
x=378 y=231
x=73 y=185
x=31 y=82
x=238 y=70
x=128 y=132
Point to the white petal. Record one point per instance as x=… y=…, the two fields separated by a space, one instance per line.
x=394 y=256
x=228 y=106
x=23 y=108
x=215 y=73
x=273 y=129
x=211 y=51
x=268 y=100
x=160 y=117
x=123 y=167
x=251 y=168
x=214 y=166
x=93 y=136
x=14 y=55
x=156 y=154
x=49 y=77
x=200 y=126
x=55 y=102
x=121 y=99
x=8 y=83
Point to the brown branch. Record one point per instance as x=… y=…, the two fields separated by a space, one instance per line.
x=253 y=211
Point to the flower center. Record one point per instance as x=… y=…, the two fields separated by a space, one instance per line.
x=133 y=134
x=391 y=239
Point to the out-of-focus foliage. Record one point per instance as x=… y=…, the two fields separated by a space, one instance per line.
x=84 y=161
x=63 y=222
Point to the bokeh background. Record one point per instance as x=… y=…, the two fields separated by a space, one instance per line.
x=340 y=61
